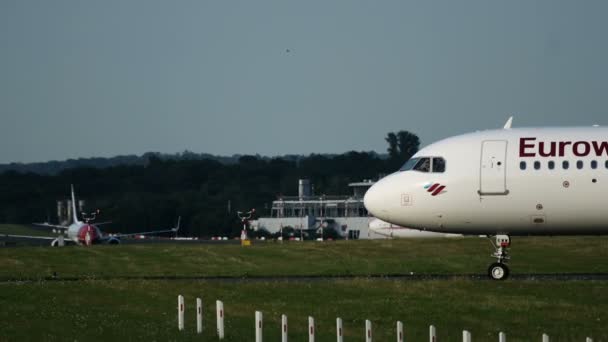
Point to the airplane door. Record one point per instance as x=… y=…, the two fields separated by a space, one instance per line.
x=493 y=176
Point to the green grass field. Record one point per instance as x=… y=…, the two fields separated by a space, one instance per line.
x=106 y=306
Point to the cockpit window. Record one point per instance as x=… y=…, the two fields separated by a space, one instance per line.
x=410 y=164
x=438 y=164
x=423 y=165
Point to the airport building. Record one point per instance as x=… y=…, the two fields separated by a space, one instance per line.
x=307 y=212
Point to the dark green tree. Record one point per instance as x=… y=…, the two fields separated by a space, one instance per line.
x=401 y=147
x=408 y=144
x=393 y=142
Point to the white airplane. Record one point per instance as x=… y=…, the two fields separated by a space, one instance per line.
x=524 y=181
x=390 y=230
x=86 y=233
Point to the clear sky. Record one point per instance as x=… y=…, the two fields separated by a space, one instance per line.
x=101 y=78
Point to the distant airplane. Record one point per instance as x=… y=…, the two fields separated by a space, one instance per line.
x=394 y=231
x=86 y=233
x=525 y=181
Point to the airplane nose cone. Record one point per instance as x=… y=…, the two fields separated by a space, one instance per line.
x=370 y=200
x=375 y=200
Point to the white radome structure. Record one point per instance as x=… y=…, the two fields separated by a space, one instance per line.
x=390 y=230
x=526 y=181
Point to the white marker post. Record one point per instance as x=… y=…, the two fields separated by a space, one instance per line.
x=283 y=328
x=180 y=312
x=311 y=329
x=258 y=326
x=432 y=334
x=588 y=339
x=368 y=330
x=502 y=337
x=399 y=331
x=199 y=316
x=545 y=338
x=466 y=336
x=219 y=307
x=339 y=330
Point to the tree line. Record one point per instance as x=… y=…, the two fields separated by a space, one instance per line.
x=205 y=192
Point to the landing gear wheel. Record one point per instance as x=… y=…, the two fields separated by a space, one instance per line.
x=498 y=271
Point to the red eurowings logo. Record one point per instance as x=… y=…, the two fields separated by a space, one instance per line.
x=435 y=188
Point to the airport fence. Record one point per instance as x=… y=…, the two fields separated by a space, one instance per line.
x=259 y=326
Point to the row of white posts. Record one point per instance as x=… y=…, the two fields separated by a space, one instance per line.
x=259 y=325
x=219 y=306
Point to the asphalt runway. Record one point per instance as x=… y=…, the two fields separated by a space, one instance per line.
x=307 y=279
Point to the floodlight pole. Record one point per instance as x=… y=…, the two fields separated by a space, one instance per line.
x=245 y=217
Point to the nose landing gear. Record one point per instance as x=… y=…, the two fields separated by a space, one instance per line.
x=499 y=269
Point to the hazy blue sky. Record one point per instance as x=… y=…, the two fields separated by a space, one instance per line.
x=101 y=78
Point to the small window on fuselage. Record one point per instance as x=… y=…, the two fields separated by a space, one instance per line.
x=579 y=164
x=594 y=164
x=522 y=165
x=565 y=165
x=438 y=164
x=551 y=165
x=537 y=165
x=423 y=165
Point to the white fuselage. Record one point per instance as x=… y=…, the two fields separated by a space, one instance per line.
x=73 y=229
x=484 y=190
